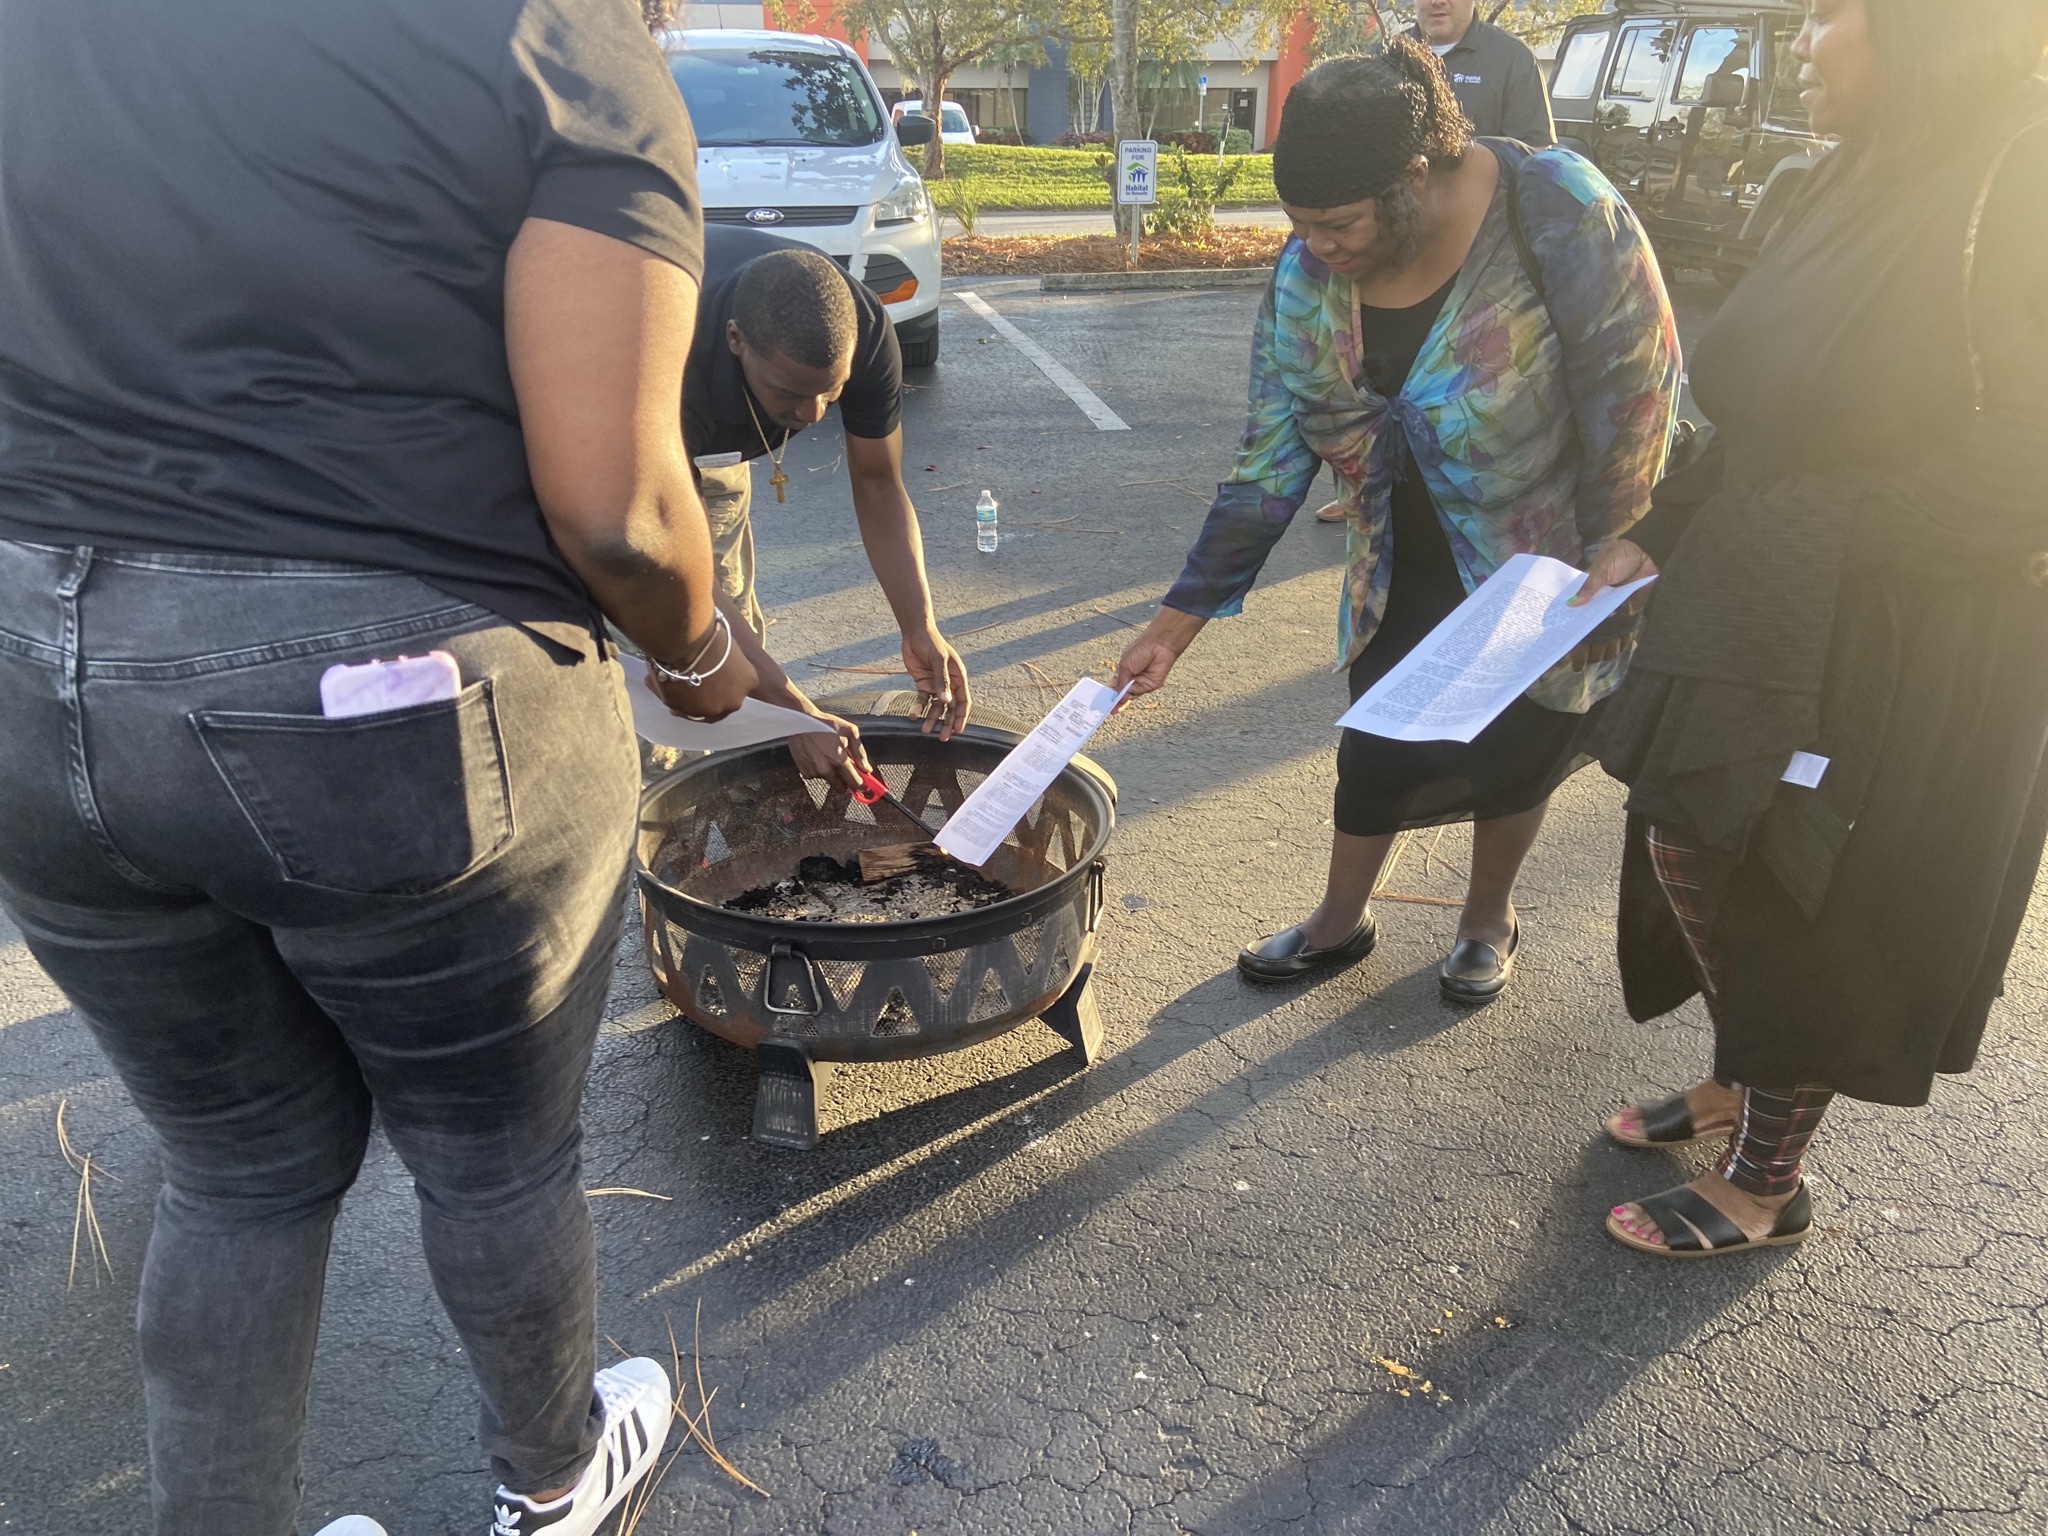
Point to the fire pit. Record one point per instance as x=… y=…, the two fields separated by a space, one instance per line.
x=806 y=994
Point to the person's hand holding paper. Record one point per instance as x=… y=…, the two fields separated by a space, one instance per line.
x=1620 y=563
x=1523 y=620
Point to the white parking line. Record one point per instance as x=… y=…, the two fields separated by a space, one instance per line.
x=1086 y=398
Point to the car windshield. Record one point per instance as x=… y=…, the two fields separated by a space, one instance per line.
x=775 y=96
x=953 y=119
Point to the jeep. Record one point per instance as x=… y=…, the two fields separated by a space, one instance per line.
x=1692 y=109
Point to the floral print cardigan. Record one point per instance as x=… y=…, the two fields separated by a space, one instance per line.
x=1540 y=422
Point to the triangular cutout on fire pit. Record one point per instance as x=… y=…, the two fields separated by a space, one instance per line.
x=841 y=976
x=709 y=998
x=944 y=969
x=896 y=1017
x=990 y=1001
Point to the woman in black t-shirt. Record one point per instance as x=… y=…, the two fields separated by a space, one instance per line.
x=331 y=335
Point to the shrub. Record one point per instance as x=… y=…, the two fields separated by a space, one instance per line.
x=1238 y=141
x=1189 y=207
x=958 y=199
x=1082 y=140
x=1008 y=137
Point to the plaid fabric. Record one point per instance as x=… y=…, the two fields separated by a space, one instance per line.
x=1683 y=871
x=1773 y=1130
x=1771 y=1137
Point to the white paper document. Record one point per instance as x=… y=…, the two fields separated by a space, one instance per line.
x=999 y=802
x=1487 y=653
x=748 y=726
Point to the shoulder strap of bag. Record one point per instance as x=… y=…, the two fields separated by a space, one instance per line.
x=1513 y=154
x=1976 y=225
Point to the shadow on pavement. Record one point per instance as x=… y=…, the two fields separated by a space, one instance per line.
x=1525 y=1388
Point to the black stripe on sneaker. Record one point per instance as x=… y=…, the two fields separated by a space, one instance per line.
x=611 y=1471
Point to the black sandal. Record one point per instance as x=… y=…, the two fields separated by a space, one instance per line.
x=1695 y=1228
x=1667 y=1124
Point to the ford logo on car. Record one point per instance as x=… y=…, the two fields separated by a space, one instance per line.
x=764 y=215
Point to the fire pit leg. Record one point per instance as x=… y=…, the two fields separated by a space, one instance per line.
x=1075 y=1018
x=786 y=1103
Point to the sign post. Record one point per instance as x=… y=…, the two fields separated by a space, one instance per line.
x=1137 y=182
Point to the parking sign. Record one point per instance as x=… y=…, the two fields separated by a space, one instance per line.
x=1137 y=171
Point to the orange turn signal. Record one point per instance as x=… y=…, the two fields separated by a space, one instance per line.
x=902 y=291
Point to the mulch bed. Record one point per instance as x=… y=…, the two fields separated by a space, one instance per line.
x=1230 y=245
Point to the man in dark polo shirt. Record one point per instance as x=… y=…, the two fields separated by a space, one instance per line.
x=782 y=334
x=1498 y=81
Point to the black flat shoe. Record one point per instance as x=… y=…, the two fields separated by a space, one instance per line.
x=1694 y=1227
x=1475 y=972
x=1288 y=956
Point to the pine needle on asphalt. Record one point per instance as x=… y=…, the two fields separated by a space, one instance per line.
x=696 y=1427
x=85 y=1220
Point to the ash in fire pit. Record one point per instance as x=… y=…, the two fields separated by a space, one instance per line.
x=825 y=890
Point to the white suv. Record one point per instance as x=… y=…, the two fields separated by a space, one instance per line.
x=792 y=137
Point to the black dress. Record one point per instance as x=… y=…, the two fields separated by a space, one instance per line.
x=1512 y=766
x=1865 y=925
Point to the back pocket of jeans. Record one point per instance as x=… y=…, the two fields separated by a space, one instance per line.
x=398 y=803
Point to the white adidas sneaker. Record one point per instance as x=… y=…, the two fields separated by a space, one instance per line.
x=637 y=1408
x=354 y=1525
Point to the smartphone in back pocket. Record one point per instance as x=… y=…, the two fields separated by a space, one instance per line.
x=371 y=687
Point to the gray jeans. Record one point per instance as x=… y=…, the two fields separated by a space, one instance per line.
x=728 y=496
x=275 y=923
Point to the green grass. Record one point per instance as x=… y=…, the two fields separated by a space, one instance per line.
x=1002 y=178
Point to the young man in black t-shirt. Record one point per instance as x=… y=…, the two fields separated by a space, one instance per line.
x=783 y=333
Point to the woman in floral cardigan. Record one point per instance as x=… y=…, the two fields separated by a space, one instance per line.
x=1476 y=339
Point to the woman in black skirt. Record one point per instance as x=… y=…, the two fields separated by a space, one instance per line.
x=1834 y=735
x=1476 y=339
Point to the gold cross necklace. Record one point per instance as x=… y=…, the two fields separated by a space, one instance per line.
x=778 y=479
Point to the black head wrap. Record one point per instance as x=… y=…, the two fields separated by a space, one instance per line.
x=1353 y=126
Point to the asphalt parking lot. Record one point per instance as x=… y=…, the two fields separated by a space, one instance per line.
x=1311 y=1261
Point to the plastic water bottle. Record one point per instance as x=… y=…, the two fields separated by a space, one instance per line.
x=985 y=523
